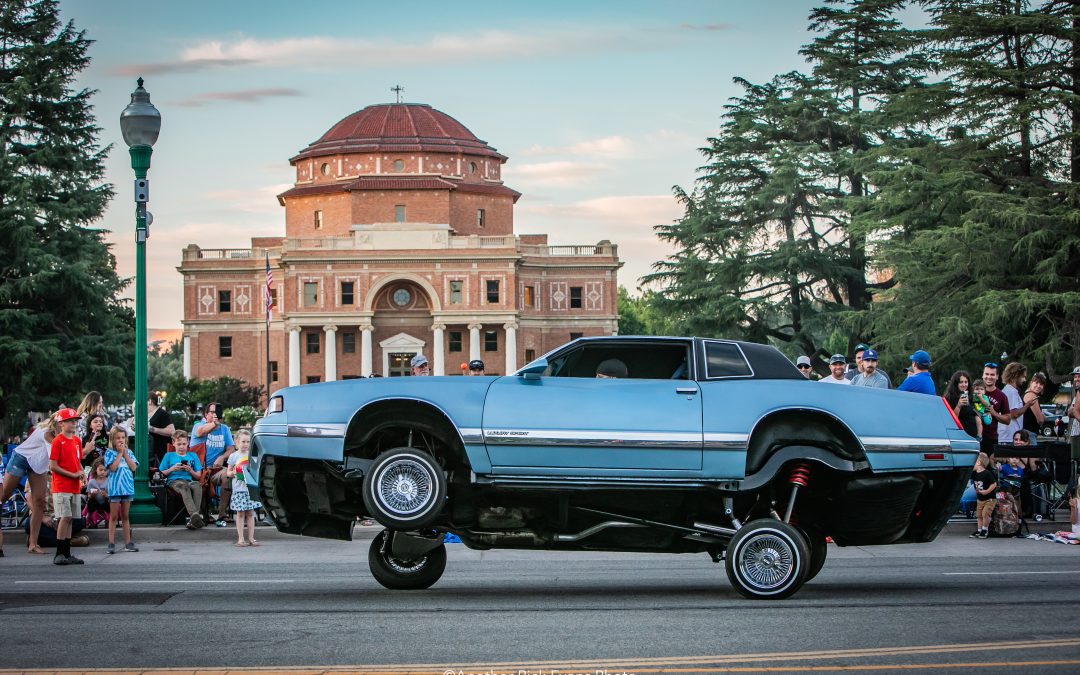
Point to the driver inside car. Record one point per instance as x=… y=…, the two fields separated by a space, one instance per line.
x=611 y=369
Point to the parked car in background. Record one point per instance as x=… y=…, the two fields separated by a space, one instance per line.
x=710 y=446
x=1055 y=424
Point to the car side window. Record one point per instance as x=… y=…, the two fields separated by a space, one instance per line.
x=649 y=361
x=725 y=359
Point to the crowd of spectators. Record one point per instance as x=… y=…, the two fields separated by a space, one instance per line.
x=75 y=469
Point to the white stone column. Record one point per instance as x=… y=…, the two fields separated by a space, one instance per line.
x=331 y=353
x=187 y=357
x=294 y=356
x=438 y=349
x=511 y=347
x=474 y=341
x=365 y=350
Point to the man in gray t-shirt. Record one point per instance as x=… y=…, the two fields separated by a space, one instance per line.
x=869 y=375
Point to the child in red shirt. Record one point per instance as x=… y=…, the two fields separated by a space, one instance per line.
x=65 y=462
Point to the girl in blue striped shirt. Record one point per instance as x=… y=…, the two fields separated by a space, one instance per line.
x=121 y=464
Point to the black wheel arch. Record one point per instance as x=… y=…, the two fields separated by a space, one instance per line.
x=817 y=434
x=398 y=415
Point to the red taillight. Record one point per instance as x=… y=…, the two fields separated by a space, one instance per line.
x=952 y=414
x=934 y=455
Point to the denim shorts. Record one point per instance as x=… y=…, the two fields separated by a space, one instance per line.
x=19 y=467
x=119 y=498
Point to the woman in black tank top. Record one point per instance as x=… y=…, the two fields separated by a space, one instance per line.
x=1033 y=416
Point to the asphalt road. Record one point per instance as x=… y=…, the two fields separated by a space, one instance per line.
x=191 y=600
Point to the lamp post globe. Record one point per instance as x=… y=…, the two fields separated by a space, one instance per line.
x=140 y=123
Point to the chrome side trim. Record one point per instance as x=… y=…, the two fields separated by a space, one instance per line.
x=471 y=435
x=316 y=430
x=592 y=439
x=903 y=444
x=725 y=441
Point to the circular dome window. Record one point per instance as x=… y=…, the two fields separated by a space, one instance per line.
x=472 y=167
x=402 y=297
x=325 y=168
x=399 y=165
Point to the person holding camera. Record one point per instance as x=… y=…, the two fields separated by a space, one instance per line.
x=216 y=440
x=183 y=471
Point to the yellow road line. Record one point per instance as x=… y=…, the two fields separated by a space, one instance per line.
x=677 y=664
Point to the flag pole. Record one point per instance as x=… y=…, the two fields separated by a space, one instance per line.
x=269 y=309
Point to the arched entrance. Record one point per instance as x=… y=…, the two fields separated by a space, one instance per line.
x=402 y=321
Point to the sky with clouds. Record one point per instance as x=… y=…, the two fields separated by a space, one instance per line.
x=601 y=106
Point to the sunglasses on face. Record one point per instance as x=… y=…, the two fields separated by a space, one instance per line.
x=990 y=364
x=804 y=367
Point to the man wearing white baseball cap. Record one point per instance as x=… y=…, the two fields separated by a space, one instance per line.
x=419 y=365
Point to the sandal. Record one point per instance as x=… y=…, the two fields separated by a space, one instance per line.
x=254 y=542
x=36 y=550
x=241 y=544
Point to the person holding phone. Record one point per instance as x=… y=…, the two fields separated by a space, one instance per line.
x=958 y=395
x=216 y=441
x=183 y=471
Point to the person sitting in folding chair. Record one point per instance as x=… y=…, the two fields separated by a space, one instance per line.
x=216 y=440
x=183 y=474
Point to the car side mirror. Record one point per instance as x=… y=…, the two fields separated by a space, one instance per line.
x=534 y=370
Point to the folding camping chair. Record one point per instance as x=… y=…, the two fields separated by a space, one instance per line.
x=15 y=509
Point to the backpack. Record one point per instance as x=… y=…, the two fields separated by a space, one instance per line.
x=1006 y=519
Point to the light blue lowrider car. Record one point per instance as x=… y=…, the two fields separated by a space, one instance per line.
x=707 y=446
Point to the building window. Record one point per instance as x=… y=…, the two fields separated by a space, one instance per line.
x=224 y=301
x=399 y=213
x=318 y=220
x=351 y=377
x=575 y=297
x=479 y=217
x=492 y=291
x=455 y=340
x=312 y=342
x=312 y=379
x=347 y=288
x=224 y=346
x=324 y=169
x=311 y=293
x=530 y=355
x=273 y=297
x=273 y=371
x=491 y=341
x=399 y=165
x=348 y=343
x=575 y=336
x=530 y=296
x=455 y=292
x=472 y=167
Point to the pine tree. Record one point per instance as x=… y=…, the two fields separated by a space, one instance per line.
x=986 y=248
x=63 y=330
x=773 y=245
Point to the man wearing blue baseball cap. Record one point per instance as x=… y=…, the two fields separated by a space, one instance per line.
x=869 y=375
x=919 y=381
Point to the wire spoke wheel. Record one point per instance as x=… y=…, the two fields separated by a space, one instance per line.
x=405 y=486
x=404 y=489
x=767 y=559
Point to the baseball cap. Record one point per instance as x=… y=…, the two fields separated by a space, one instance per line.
x=862 y=347
x=803 y=361
x=65 y=414
x=418 y=360
x=837 y=358
x=921 y=357
x=612 y=368
x=476 y=364
x=870 y=355
x=1076 y=370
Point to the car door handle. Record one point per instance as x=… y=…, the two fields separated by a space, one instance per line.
x=686 y=390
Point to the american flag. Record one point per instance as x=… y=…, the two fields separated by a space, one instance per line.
x=268 y=297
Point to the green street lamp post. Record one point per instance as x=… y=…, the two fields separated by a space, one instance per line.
x=140 y=123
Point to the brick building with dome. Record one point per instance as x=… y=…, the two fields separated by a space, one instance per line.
x=399 y=239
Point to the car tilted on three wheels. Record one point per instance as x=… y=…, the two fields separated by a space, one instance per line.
x=710 y=446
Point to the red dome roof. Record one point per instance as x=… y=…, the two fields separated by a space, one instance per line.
x=398 y=127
